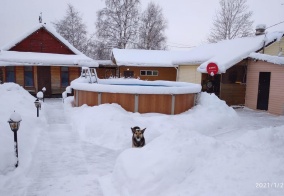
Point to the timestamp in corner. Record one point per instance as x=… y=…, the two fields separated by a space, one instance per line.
x=267 y=185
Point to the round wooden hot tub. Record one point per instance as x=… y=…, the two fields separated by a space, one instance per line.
x=138 y=96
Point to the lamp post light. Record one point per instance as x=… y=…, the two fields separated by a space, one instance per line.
x=43 y=90
x=39 y=95
x=14 y=122
x=38 y=106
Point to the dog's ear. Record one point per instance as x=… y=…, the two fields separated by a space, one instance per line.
x=133 y=130
x=143 y=130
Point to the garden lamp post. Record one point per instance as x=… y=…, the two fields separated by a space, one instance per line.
x=43 y=90
x=38 y=106
x=14 y=122
x=39 y=95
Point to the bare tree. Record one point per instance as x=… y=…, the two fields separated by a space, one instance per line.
x=99 y=50
x=72 y=28
x=117 y=23
x=233 y=20
x=152 y=28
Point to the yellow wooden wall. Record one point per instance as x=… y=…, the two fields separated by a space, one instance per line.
x=189 y=73
x=275 y=48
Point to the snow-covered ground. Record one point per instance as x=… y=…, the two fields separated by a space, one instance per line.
x=211 y=149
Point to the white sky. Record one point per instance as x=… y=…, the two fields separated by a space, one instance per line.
x=189 y=21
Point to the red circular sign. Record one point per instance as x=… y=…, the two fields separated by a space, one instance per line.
x=212 y=68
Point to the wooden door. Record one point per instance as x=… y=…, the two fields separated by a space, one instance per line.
x=44 y=79
x=263 y=90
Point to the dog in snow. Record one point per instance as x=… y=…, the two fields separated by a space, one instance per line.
x=138 y=139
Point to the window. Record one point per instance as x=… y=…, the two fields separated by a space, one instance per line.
x=128 y=74
x=149 y=73
x=29 y=79
x=10 y=74
x=64 y=76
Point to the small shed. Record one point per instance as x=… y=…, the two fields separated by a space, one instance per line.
x=265 y=89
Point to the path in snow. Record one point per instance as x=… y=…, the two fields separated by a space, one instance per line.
x=63 y=164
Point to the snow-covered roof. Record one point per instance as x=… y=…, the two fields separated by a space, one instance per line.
x=225 y=53
x=151 y=58
x=228 y=52
x=268 y=58
x=12 y=58
x=50 y=29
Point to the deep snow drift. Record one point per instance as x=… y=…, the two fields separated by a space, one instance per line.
x=211 y=149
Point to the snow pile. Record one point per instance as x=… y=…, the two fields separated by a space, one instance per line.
x=15 y=98
x=181 y=159
x=110 y=124
x=187 y=163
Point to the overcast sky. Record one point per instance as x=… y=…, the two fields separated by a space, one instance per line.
x=189 y=21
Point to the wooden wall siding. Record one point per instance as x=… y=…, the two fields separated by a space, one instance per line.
x=189 y=73
x=155 y=104
x=105 y=72
x=56 y=80
x=276 y=94
x=183 y=102
x=74 y=73
x=42 y=41
x=146 y=103
x=274 y=48
x=233 y=94
x=19 y=72
x=165 y=73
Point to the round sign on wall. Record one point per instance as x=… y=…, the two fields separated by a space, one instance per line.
x=212 y=69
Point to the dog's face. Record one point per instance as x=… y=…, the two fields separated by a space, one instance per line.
x=138 y=133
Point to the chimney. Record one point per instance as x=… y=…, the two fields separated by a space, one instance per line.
x=260 y=29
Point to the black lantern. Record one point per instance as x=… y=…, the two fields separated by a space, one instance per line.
x=14 y=122
x=38 y=106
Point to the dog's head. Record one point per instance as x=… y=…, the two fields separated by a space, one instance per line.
x=138 y=133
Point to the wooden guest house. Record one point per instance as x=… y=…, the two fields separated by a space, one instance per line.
x=42 y=58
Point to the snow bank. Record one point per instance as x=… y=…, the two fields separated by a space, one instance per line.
x=14 y=98
x=183 y=158
x=109 y=125
x=187 y=163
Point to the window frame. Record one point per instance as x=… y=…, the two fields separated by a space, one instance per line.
x=61 y=76
x=32 y=76
x=8 y=71
x=149 y=73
